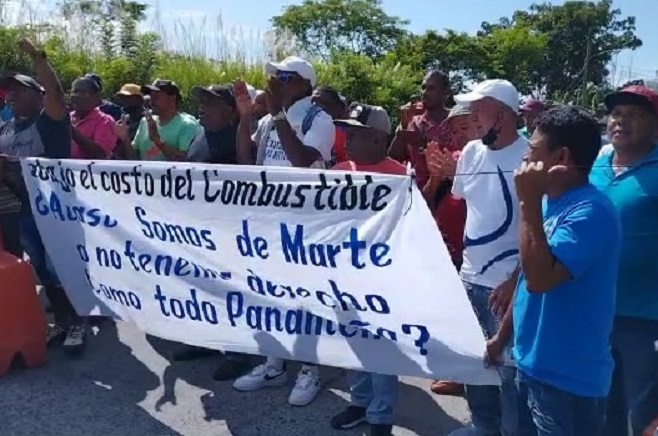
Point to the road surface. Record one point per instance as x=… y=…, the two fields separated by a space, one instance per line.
x=126 y=385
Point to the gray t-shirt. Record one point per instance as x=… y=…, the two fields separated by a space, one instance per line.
x=42 y=136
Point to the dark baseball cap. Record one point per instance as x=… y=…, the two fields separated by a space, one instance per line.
x=167 y=86
x=634 y=95
x=23 y=80
x=223 y=92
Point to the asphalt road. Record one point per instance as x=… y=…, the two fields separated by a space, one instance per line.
x=126 y=385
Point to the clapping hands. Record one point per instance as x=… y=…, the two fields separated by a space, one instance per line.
x=440 y=162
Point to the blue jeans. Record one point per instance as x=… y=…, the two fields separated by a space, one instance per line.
x=10 y=234
x=62 y=308
x=634 y=389
x=494 y=410
x=377 y=393
x=33 y=246
x=553 y=412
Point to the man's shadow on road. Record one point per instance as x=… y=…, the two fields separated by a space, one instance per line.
x=96 y=393
x=267 y=411
x=252 y=413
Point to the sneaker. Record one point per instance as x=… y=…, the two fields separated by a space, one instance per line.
x=381 y=430
x=349 y=418
x=55 y=335
x=75 y=338
x=263 y=376
x=306 y=387
x=230 y=369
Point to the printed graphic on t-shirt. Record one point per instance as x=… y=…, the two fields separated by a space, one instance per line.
x=274 y=154
x=500 y=231
x=23 y=143
x=486 y=182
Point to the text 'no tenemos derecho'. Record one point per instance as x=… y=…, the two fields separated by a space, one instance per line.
x=296 y=244
x=334 y=191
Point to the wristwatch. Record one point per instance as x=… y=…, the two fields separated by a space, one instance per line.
x=279 y=116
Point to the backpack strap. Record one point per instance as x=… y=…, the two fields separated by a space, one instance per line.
x=311 y=113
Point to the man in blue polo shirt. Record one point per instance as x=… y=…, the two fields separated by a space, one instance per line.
x=563 y=310
x=627 y=172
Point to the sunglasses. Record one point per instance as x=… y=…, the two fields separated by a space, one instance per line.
x=286 y=76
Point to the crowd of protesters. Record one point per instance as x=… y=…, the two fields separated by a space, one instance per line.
x=555 y=236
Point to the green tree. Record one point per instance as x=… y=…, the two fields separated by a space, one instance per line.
x=114 y=22
x=11 y=59
x=323 y=26
x=514 y=53
x=385 y=83
x=591 y=97
x=569 y=29
x=109 y=10
x=456 y=53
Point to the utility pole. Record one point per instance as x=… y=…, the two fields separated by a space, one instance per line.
x=586 y=66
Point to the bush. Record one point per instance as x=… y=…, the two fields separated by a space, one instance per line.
x=143 y=57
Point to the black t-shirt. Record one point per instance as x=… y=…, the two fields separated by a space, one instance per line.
x=113 y=110
x=214 y=147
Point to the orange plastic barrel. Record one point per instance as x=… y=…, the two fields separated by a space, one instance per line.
x=22 y=321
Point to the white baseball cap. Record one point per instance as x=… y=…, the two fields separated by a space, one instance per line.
x=498 y=89
x=293 y=64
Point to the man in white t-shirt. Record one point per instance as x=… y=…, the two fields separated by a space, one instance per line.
x=296 y=133
x=484 y=179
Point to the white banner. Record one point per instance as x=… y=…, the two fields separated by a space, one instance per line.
x=342 y=269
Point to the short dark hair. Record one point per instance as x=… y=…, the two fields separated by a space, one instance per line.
x=96 y=78
x=574 y=128
x=333 y=94
x=93 y=84
x=444 y=78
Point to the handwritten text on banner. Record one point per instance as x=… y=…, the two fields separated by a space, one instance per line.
x=343 y=269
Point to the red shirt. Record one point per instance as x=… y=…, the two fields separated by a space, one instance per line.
x=433 y=131
x=387 y=166
x=450 y=216
x=450 y=213
x=339 y=145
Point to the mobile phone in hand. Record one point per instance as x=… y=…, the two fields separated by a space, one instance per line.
x=412 y=138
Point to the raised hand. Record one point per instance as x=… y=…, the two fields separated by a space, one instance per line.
x=274 y=95
x=440 y=162
x=28 y=47
x=242 y=99
x=532 y=178
x=408 y=111
x=121 y=128
x=154 y=134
